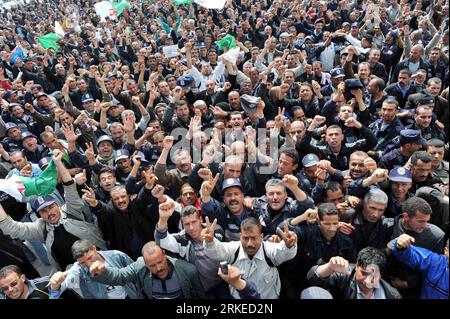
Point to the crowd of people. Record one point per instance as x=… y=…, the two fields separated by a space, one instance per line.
x=270 y=149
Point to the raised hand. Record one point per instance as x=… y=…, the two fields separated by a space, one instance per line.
x=89 y=197
x=69 y=133
x=168 y=142
x=404 y=241
x=289 y=237
x=205 y=174
x=158 y=192
x=217 y=111
x=177 y=93
x=290 y=181
x=208 y=187
x=26 y=170
x=209 y=154
x=57 y=279
x=371 y=164
x=208 y=232
x=346 y=228
x=248 y=203
x=97 y=267
x=317 y=121
x=166 y=210
x=129 y=123
x=352 y=122
x=80 y=178
x=150 y=178
x=379 y=175
x=89 y=152
x=339 y=264
x=57 y=156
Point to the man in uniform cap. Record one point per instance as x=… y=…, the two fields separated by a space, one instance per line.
x=337 y=76
x=11 y=142
x=410 y=142
x=105 y=147
x=285 y=38
x=400 y=180
x=31 y=149
x=250 y=103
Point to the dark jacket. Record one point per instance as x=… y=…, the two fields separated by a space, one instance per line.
x=386 y=135
x=344 y=286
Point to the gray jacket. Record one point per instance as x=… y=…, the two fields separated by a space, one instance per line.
x=138 y=273
x=72 y=219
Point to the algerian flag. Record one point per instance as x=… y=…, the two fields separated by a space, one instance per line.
x=120 y=6
x=211 y=4
x=180 y=2
x=49 y=40
x=19 y=186
x=228 y=41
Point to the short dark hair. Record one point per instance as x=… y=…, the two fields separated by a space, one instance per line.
x=435 y=142
x=405 y=71
x=249 y=223
x=189 y=210
x=415 y=204
x=327 y=209
x=292 y=153
x=8 y=270
x=106 y=170
x=332 y=186
x=370 y=255
x=421 y=155
x=81 y=247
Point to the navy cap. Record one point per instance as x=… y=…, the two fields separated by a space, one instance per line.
x=8 y=94
x=43 y=162
x=121 y=154
x=105 y=138
x=412 y=136
x=26 y=134
x=354 y=24
x=10 y=125
x=337 y=73
x=87 y=98
x=249 y=103
x=42 y=202
x=201 y=45
x=425 y=100
x=309 y=38
x=351 y=84
x=185 y=81
x=291 y=17
x=231 y=182
x=310 y=159
x=345 y=24
x=143 y=159
x=400 y=174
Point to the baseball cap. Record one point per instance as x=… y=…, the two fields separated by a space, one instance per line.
x=105 y=138
x=351 y=84
x=40 y=94
x=309 y=38
x=121 y=154
x=8 y=94
x=42 y=202
x=299 y=44
x=249 y=103
x=26 y=134
x=87 y=98
x=10 y=125
x=337 y=73
x=400 y=174
x=185 y=81
x=43 y=162
x=345 y=24
x=310 y=160
x=231 y=182
x=412 y=136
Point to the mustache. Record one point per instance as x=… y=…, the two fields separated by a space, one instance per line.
x=233 y=202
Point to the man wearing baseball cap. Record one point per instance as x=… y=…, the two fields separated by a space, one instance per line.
x=11 y=142
x=400 y=180
x=410 y=142
x=31 y=149
x=59 y=227
x=337 y=76
x=231 y=212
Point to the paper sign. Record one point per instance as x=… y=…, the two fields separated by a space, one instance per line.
x=170 y=51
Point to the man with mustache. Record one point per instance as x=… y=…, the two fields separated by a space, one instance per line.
x=421 y=164
x=400 y=185
x=257 y=258
x=368 y=226
x=231 y=211
x=317 y=243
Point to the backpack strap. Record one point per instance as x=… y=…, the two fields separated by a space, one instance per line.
x=236 y=254
x=268 y=260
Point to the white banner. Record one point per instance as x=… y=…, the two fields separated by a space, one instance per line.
x=211 y=4
x=104 y=9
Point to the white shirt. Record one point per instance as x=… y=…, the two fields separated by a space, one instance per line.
x=266 y=279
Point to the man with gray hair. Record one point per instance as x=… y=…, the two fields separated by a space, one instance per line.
x=276 y=206
x=368 y=226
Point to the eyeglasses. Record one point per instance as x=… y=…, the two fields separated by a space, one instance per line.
x=12 y=285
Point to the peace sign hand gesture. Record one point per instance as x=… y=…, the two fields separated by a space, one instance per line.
x=289 y=237
x=208 y=231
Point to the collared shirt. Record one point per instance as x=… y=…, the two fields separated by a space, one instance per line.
x=378 y=293
x=403 y=90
